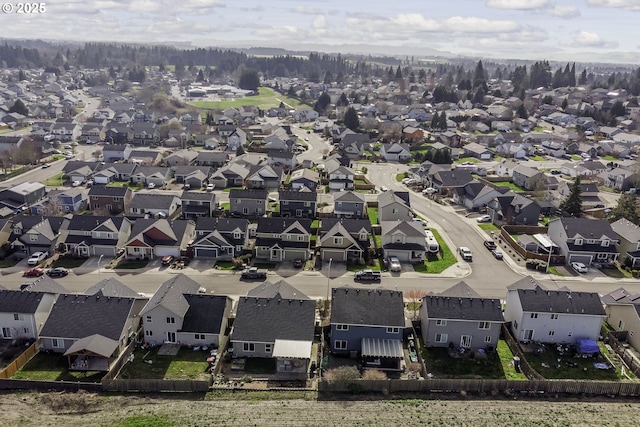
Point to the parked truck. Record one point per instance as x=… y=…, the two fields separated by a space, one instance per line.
x=253 y=273
x=367 y=275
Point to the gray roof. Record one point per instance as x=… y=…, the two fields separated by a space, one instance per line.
x=205 y=313
x=267 y=319
x=621 y=297
x=152 y=201
x=626 y=229
x=79 y=316
x=460 y=290
x=111 y=288
x=526 y=282
x=566 y=302
x=280 y=289
x=352 y=225
x=198 y=195
x=349 y=196
x=305 y=196
x=469 y=308
x=367 y=307
x=223 y=225
x=103 y=190
x=19 y=302
x=587 y=228
x=408 y=228
x=170 y=295
x=248 y=194
x=47 y=285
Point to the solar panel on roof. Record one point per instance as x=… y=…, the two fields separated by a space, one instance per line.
x=618 y=295
x=635 y=296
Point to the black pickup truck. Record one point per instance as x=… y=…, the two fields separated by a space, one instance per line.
x=367 y=276
x=253 y=273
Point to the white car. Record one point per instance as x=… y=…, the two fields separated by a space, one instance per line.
x=383 y=189
x=579 y=267
x=429 y=190
x=76 y=183
x=421 y=221
x=37 y=257
x=210 y=187
x=394 y=264
x=151 y=185
x=484 y=218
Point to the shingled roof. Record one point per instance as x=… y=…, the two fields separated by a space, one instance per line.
x=367 y=307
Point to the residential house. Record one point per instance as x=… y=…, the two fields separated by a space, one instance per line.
x=584 y=240
x=156 y=176
x=304 y=178
x=35 y=233
x=394 y=206
x=87 y=235
x=248 y=202
x=403 y=239
x=287 y=159
x=446 y=180
x=116 y=152
x=220 y=238
x=214 y=159
x=395 y=152
x=145 y=157
x=91 y=331
x=552 y=316
x=118 y=134
x=229 y=175
x=110 y=172
x=152 y=238
x=528 y=178
x=22 y=195
x=91 y=132
x=65 y=131
x=154 y=205
x=345 y=239
x=264 y=176
x=511 y=208
x=622 y=308
x=181 y=157
x=297 y=203
x=505 y=168
x=619 y=179
x=197 y=203
x=628 y=242
x=583 y=169
x=145 y=133
x=478 y=151
x=196 y=175
x=22 y=314
x=349 y=204
x=236 y=139
x=179 y=313
x=62 y=202
x=341 y=179
x=589 y=194
x=368 y=323
x=282 y=239
x=275 y=320
x=353 y=145
x=476 y=195
x=461 y=318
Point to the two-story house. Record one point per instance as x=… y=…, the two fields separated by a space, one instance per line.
x=341 y=178
x=304 y=178
x=282 y=239
x=179 y=313
x=623 y=314
x=112 y=200
x=145 y=133
x=62 y=202
x=86 y=235
x=220 y=238
x=552 y=316
x=349 y=204
x=619 y=179
x=368 y=323
x=528 y=178
x=584 y=240
x=403 y=239
x=395 y=152
x=215 y=159
x=394 y=206
x=344 y=239
x=511 y=208
x=116 y=152
x=248 y=202
x=22 y=314
x=35 y=233
x=628 y=242
x=197 y=203
x=297 y=203
x=264 y=177
x=460 y=316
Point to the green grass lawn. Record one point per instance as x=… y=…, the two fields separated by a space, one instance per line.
x=583 y=371
x=265 y=265
x=610 y=158
x=257 y=365
x=186 y=365
x=553 y=270
x=377 y=240
x=266 y=99
x=132 y=265
x=54 y=367
x=54 y=181
x=537 y=158
x=228 y=189
x=373 y=215
x=9 y=262
x=506 y=360
x=467 y=159
x=576 y=157
x=445 y=258
x=315 y=223
x=511 y=185
x=400 y=177
x=132 y=186
x=69 y=262
x=441 y=365
x=488 y=227
x=224 y=265
x=225 y=205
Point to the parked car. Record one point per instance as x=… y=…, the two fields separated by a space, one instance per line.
x=490 y=244
x=37 y=257
x=579 y=267
x=58 y=272
x=394 y=264
x=151 y=185
x=33 y=272
x=466 y=253
x=76 y=183
x=253 y=273
x=421 y=221
x=167 y=260
x=367 y=275
x=298 y=263
x=429 y=190
x=497 y=253
x=210 y=187
x=555 y=172
x=46 y=165
x=383 y=189
x=484 y=218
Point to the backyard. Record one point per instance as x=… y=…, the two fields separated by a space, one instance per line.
x=373 y=215
x=510 y=185
x=54 y=367
x=186 y=365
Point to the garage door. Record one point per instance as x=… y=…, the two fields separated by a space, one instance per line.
x=205 y=253
x=333 y=254
x=290 y=255
x=585 y=259
x=402 y=255
x=161 y=252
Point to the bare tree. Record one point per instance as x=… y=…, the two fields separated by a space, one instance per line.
x=414 y=296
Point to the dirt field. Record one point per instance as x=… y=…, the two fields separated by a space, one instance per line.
x=254 y=409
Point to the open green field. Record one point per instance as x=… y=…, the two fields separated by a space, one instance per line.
x=265 y=100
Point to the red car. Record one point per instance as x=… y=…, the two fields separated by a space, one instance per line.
x=34 y=272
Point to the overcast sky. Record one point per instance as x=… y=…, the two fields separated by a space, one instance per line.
x=585 y=30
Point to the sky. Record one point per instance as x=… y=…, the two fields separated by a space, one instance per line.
x=571 y=30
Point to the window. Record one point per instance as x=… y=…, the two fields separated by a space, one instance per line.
x=591 y=241
x=109 y=207
x=57 y=343
x=249 y=347
x=6 y=332
x=487 y=338
x=578 y=242
x=515 y=324
x=393 y=330
x=18 y=316
x=307 y=204
x=554 y=316
x=268 y=347
x=337 y=240
x=442 y=338
x=621 y=325
x=33 y=237
x=148 y=319
x=441 y=322
x=171 y=320
x=199 y=336
x=552 y=333
x=603 y=256
x=285 y=202
x=341 y=345
x=148 y=333
x=363 y=236
x=25 y=330
x=300 y=238
x=117 y=199
x=342 y=327
x=605 y=243
x=484 y=325
x=237 y=235
x=534 y=315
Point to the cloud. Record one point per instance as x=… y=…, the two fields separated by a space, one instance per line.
x=518 y=4
x=563 y=11
x=320 y=22
x=589 y=39
x=306 y=10
x=283 y=32
x=618 y=4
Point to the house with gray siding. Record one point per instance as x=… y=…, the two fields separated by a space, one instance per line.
x=403 y=239
x=22 y=314
x=179 y=313
x=344 y=239
x=552 y=316
x=86 y=236
x=297 y=203
x=623 y=314
x=394 y=206
x=628 y=241
x=584 y=240
x=461 y=318
x=252 y=203
x=283 y=239
x=349 y=204
x=220 y=238
x=275 y=320
x=368 y=323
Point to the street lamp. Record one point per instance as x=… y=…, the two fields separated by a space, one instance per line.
x=99 y=273
x=329 y=277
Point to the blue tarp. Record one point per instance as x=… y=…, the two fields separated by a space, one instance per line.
x=586 y=346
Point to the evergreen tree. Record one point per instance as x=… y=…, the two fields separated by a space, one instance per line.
x=200 y=77
x=583 y=78
x=565 y=104
x=249 y=80
x=20 y=108
x=626 y=208
x=322 y=103
x=351 y=119
x=343 y=101
x=22 y=75
x=398 y=73
x=442 y=123
x=435 y=120
x=522 y=112
x=573 y=203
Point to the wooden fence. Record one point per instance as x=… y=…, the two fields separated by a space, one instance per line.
x=155 y=386
x=506 y=232
x=617 y=340
x=489 y=387
x=20 y=361
x=9 y=384
x=527 y=369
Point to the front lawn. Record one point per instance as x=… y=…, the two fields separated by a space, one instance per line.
x=537 y=158
x=487 y=226
x=228 y=189
x=265 y=265
x=132 y=265
x=69 y=262
x=9 y=262
x=373 y=215
x=54 y=181
x=511 y=185
x=224 y=265
x=54 y=367
x=467 y=159
x=617 y=273
x=400 y=177
x=186 y=365
x=436 y=264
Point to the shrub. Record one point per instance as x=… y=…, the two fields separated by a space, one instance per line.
x=238 y=263
x=246 y=379
x=343 y=373
x=374 y=374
